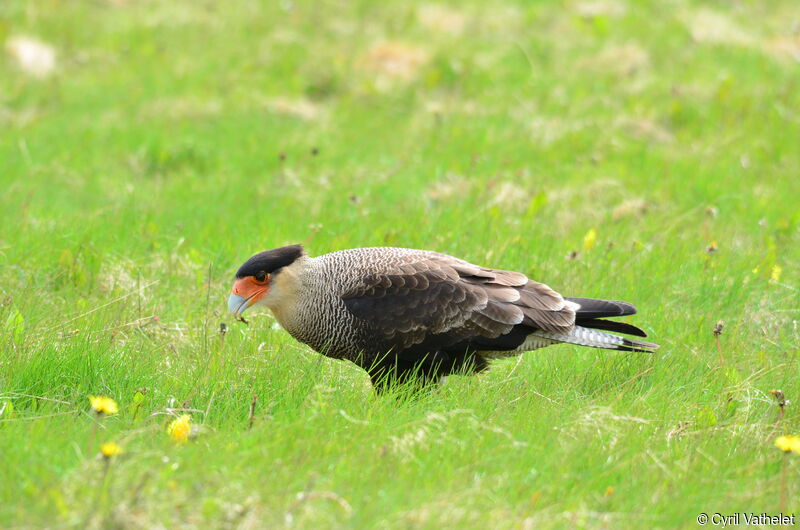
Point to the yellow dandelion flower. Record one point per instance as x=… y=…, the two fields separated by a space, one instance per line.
x=590 y=239
x=180 y=428
x=775 y=275
x=103 y=405
x=110 y=449
x=788 y=444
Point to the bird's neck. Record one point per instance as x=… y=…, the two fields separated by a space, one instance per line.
x=286 y=290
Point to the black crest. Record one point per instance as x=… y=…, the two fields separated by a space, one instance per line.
x=270 y=261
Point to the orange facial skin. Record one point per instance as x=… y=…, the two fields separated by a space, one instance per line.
x=250 y=289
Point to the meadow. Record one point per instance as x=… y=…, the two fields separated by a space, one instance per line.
x=641 y=151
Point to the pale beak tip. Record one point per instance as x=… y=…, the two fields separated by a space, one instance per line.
x=236 y=304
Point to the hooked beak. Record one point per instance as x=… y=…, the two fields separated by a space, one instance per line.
x=244 y=293
x=237 y=304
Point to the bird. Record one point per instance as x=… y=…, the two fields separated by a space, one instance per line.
x=404 y=314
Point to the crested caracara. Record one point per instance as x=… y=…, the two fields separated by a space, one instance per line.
x=397 y=311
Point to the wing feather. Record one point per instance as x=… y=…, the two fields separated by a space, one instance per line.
x=434 y=298
x=503 y=313
x=540 y=296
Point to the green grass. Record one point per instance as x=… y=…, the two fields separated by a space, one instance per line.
x=174 y=139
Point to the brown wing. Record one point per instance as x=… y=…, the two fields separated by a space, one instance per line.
x=442 y=301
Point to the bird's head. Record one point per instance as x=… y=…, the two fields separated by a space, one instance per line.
x=258 y=279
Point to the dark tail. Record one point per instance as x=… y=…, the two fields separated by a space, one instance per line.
x=593 y=310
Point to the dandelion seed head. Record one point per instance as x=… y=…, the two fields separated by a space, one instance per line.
x=33 y=56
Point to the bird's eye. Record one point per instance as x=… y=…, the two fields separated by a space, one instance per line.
x=261 y=276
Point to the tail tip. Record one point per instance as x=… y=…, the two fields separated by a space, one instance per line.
x=638 y=346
